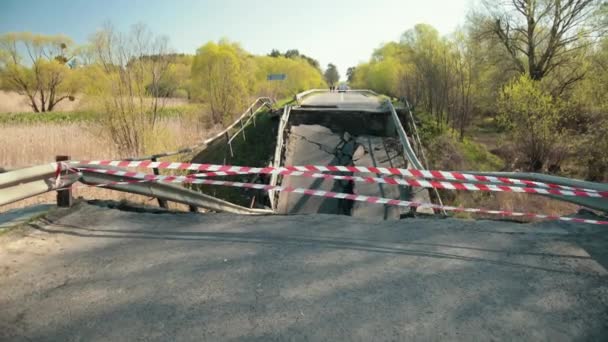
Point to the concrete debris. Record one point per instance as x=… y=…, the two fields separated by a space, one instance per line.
x=319 y=145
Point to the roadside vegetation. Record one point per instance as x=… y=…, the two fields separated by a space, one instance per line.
x=523 y=86
x=525 y=79
x=129 y=94
x=125 y=83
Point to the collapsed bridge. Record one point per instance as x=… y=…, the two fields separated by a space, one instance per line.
x=354 y=128
x=366 y=166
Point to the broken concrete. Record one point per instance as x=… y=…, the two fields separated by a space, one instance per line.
x=311 y=145
x=373 y=151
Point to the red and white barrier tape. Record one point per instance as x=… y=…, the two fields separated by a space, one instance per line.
x=329 y=194
x=523 y=186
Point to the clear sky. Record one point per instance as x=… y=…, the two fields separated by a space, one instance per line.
x=343 y=32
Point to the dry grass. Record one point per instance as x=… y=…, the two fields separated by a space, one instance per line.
x=11 y=102
x=516 y=202
x=34 y=144
x=26 y=145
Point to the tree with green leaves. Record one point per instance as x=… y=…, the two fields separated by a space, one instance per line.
x=275 y=53
x=295 y=54
x=331 y=75
x=350 y=74
x=36 y=66
x=300 y=76
x=532 y=116
x=222 y=77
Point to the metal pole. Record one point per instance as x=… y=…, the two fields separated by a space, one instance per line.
x=161 y=202
x=64 y=196
x=243 y=130
x=229 y=144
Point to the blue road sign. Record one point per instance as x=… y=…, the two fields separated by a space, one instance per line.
x=276 y=77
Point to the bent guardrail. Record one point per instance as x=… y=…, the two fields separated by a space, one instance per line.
x=24 y=183
x=278 y=153
x=19 y=184
x=407 y=147
x=261 y=102
x=589 y=202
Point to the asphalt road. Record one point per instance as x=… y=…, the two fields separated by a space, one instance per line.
x=347 y=100
x=107 y=275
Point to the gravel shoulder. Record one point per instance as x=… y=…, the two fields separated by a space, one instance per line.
x=94 y=273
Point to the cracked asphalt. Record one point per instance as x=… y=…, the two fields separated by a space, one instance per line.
x=99 y=274
x=359 y=134
x=319 y=145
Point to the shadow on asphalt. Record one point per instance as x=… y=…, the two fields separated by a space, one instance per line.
x=300 y=241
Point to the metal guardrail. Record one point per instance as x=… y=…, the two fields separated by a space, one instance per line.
x=593 y=203
x=299 y=97
x=168 y=192
x=407 y=147
x=278 y=153
x=260 y=101
x=303 y=94
x=589 y=202
x=24 y=183
x=20 y=184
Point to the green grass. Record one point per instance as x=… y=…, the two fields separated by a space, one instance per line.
x=77 y=116
x=48 y=117
x=283 y=102
x=478 y=157
x=475 y=147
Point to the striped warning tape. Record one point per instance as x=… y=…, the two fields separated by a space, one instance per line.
x=142 y=177
x=454 y=183
x=382 y=180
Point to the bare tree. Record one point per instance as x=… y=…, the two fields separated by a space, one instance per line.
x=542 y=35
x=132 y=67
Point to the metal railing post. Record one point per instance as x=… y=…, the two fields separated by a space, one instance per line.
x=243 y=131
x=64 y=196
x=161 y=202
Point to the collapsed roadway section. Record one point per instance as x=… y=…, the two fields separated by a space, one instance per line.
x=354 y=128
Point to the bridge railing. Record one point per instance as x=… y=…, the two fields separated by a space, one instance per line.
x=242 y=120
x=20 y=184
x=409 y=152
x=299 y=97
x=24 y=183
x=278 y=153
x=589 y=202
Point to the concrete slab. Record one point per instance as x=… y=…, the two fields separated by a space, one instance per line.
x=372 y=152
x=310 y=145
